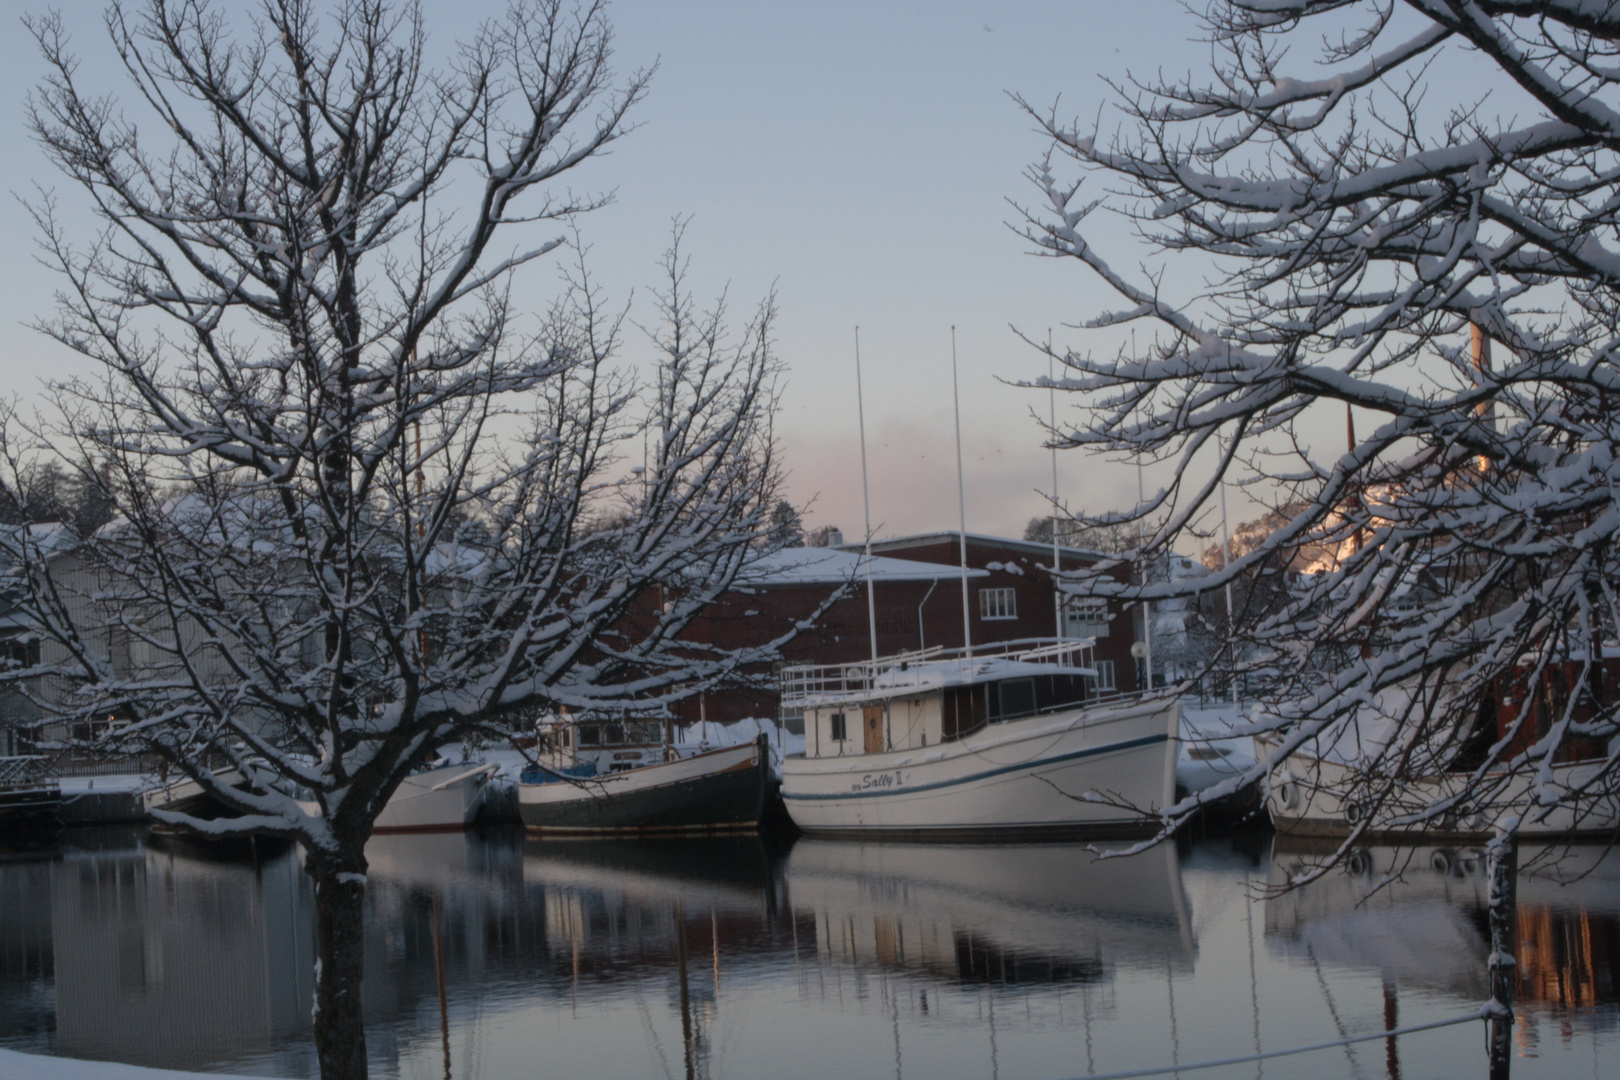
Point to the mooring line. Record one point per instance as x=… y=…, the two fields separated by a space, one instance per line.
x=1483 y=1013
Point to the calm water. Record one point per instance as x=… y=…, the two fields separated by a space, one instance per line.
x=735 y=958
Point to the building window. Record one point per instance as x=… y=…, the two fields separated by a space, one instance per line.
x=998 y=604
x=1105 y=674
x=838 y=732
x=1085 y=618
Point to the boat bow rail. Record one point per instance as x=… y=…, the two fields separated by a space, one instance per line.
x=809 y=685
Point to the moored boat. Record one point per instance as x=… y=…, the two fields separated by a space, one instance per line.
x=445 y=799
x=953 y=744
x=615 y=777
x=1319 y=796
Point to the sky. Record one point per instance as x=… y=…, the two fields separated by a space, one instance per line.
x=857 y=157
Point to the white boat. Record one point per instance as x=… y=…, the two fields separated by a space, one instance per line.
x=1012 y=738
x=445 y=799
x=1309 y=795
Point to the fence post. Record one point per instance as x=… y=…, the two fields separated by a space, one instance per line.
x=1504 y=864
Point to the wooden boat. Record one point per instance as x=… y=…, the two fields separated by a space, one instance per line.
x=952 y=744
x=609 y=777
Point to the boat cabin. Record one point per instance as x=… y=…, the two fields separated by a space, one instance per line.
x=569 y=746
x=917 y=700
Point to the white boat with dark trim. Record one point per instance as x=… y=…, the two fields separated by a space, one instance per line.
x=1008 y=738
x=624 y=777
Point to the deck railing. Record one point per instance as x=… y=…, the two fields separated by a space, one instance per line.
x=28 y=771
x=805 y=683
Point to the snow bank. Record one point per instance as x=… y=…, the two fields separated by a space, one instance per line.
x=16 y=1066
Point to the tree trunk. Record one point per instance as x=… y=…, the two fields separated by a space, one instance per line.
x=340 y=1036
x=1504 y=865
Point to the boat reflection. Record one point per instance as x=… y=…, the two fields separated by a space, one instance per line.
x=1007 y=914
x=1428 y=927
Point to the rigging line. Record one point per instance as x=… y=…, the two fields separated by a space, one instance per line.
x=1161 y=1070
x=866 y=502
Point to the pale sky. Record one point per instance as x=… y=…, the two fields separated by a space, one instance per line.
x=860 y=156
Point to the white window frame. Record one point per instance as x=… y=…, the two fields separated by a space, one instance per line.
x=1085 y=617
x=998 y=604
x=1105 y=675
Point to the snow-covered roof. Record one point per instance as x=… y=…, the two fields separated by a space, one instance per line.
x=1032 y=547
x=826 y=566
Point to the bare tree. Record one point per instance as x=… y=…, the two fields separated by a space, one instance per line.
x=362 y=511
x=1368 y=234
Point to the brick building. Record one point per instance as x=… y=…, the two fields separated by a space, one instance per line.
x=917 y=590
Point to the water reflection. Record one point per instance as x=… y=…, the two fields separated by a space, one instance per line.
x=1429 y=928
x=1011 y=914
x=495 y=955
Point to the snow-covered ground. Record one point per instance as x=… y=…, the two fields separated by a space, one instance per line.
x=79 y=785
x=15 y=1066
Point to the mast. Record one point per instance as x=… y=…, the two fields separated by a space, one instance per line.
x=961 y=501
x=1051 y=407
x=1226 y=558
x=866 y=501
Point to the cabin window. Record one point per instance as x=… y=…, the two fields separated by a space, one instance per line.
x=962 y=711
x=590 y=735
x=838 y=732
x=1016 y=697
x=998 y=604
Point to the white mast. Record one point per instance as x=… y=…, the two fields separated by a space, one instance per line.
x=1051 y=405
x=1226 y=557
x=1147 y=605
x=961 y=501
x=866 y=500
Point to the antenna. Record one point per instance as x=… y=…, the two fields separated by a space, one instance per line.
x=961 y=500
x=866 y=499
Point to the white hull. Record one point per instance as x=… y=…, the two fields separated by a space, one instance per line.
x=1309 y=796
x=442 y=799
x=1021 y=775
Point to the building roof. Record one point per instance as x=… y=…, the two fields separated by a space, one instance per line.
x=835 y=566
x=1032 y=547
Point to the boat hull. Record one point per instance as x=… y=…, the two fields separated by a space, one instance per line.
x=1025 y=776
x=439 y=800
x=1310 y=797
x=723 y=790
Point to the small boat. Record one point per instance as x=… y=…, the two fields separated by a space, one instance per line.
x=608 y=777
x=958 y=743
x=443 y=798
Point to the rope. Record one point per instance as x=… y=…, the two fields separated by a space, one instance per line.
x=1483 y=1013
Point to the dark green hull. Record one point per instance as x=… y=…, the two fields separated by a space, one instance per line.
x=733 y=799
